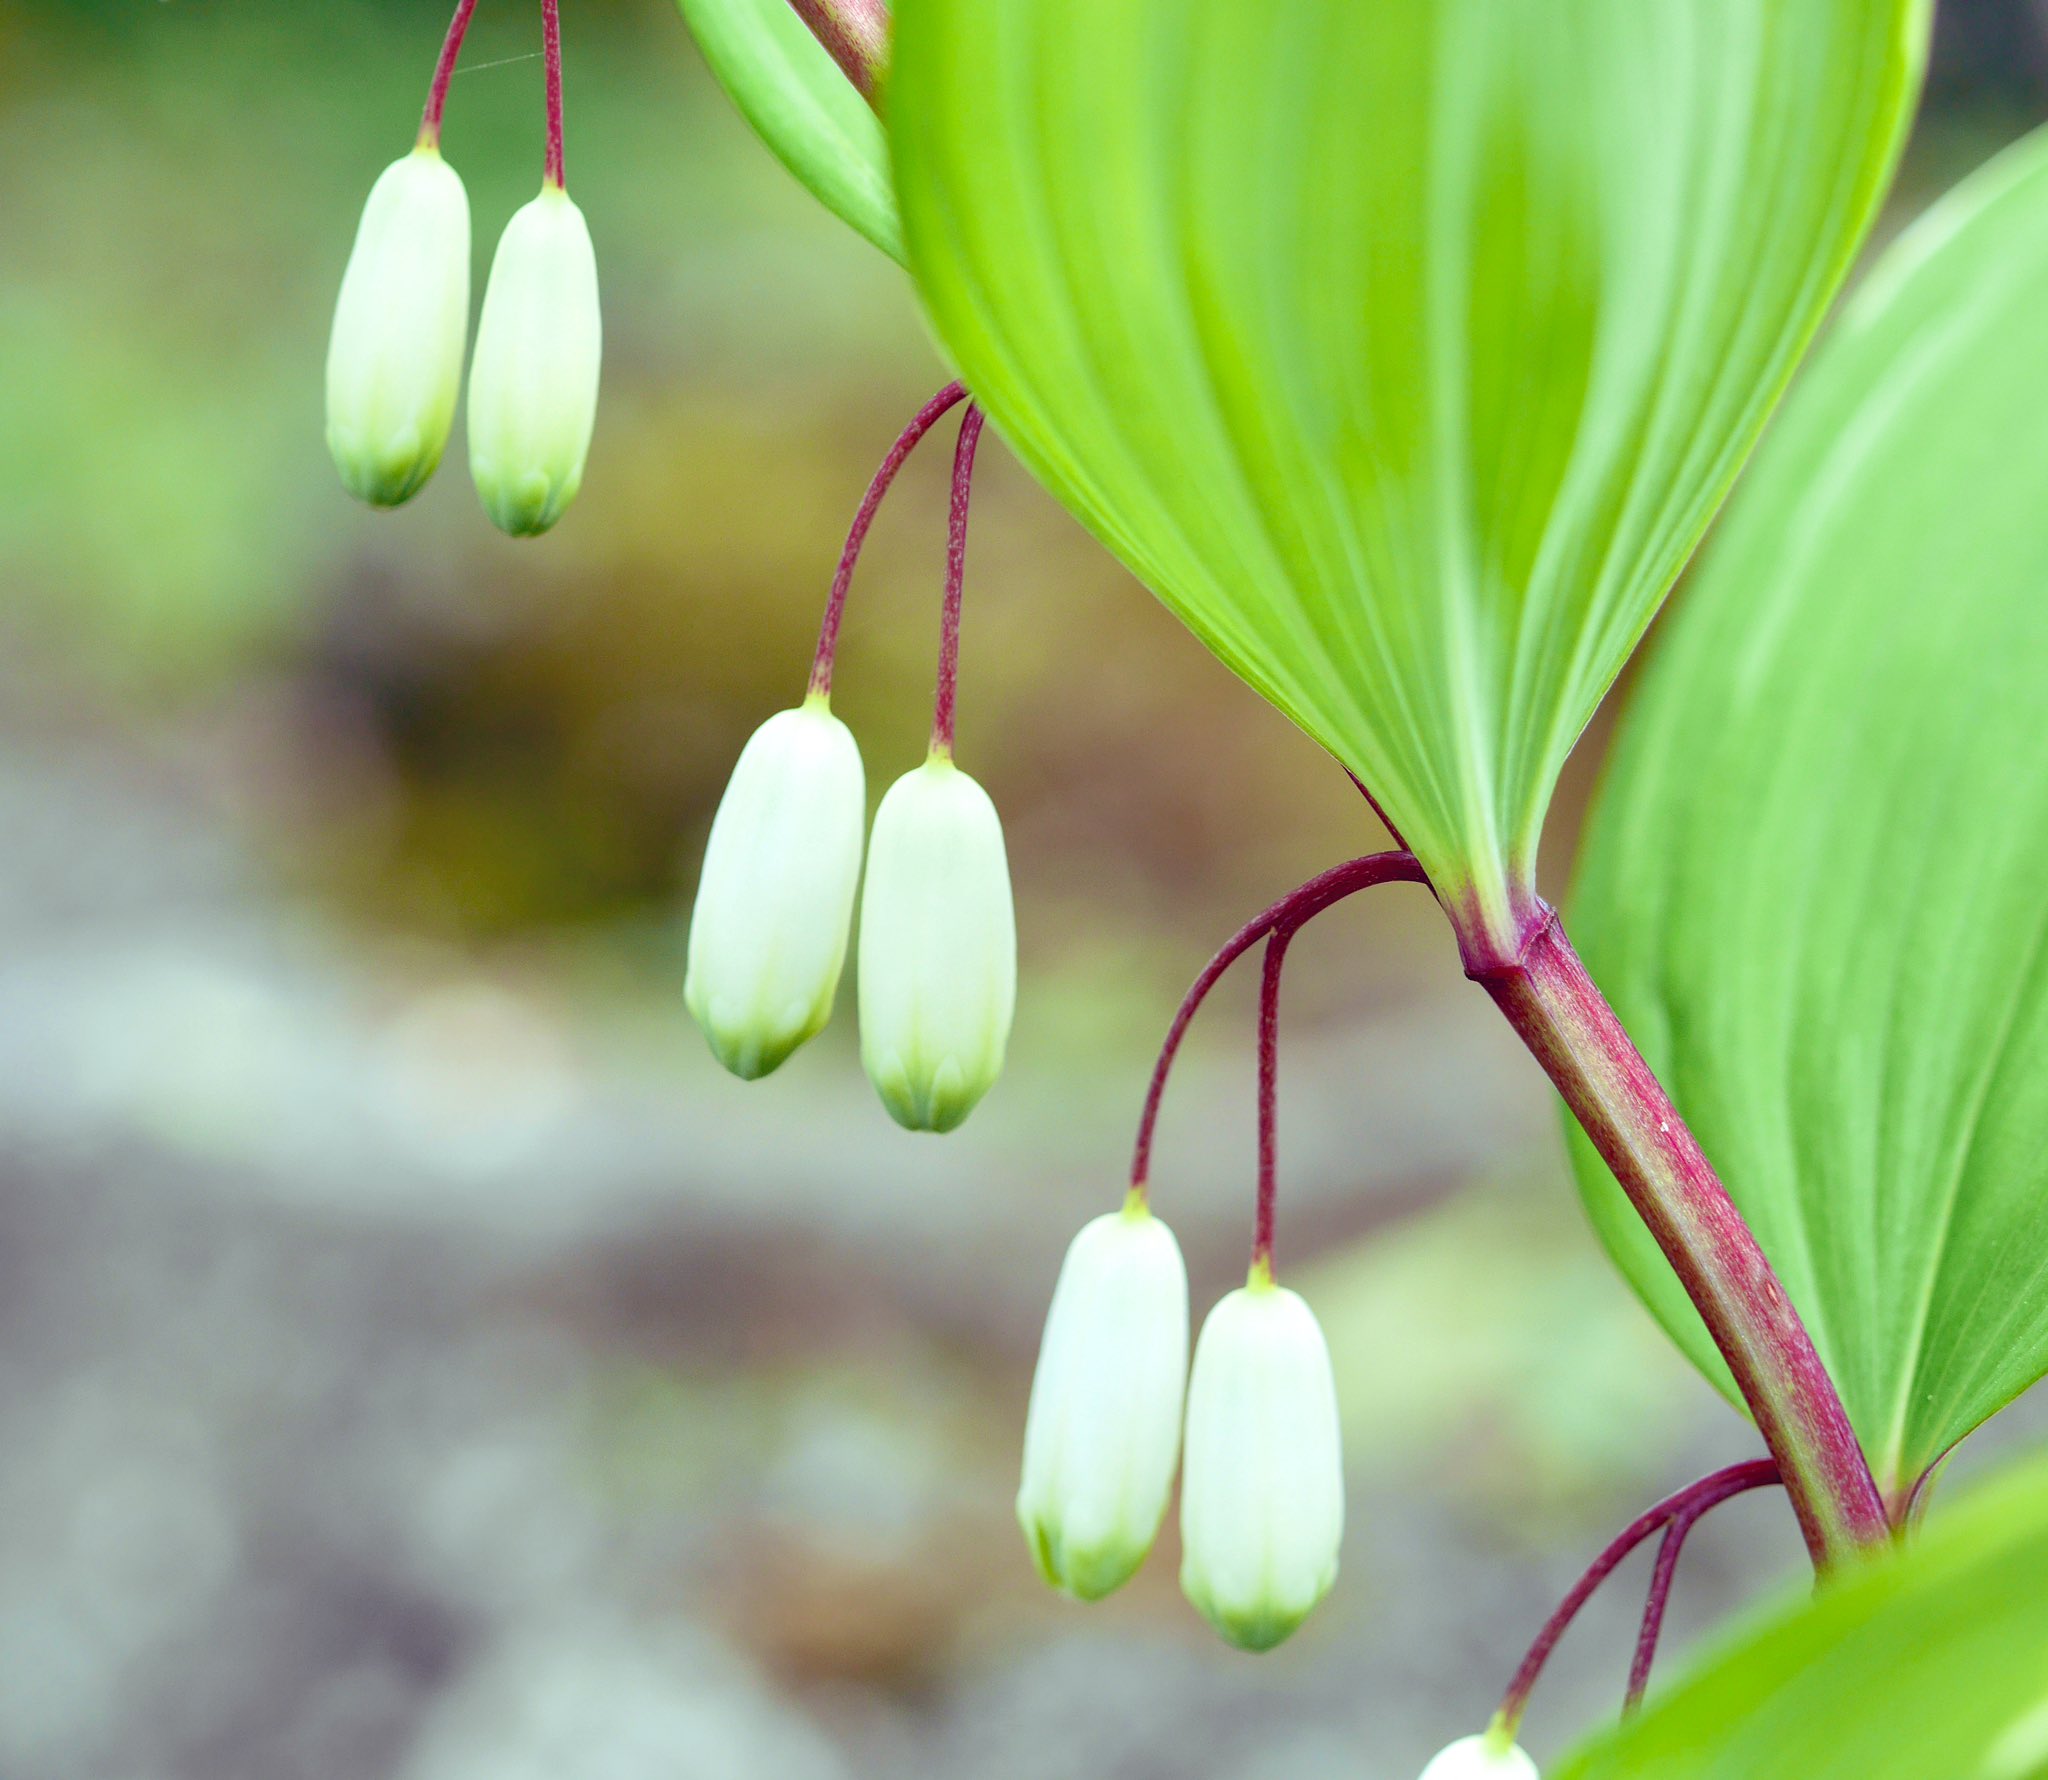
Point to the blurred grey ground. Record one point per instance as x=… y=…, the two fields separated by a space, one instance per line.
x=401 y=1375
x=416 y=1359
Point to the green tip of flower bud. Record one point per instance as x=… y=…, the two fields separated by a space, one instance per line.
x=533 y=385
x=1252 y=1630
x=394 y=358
x=938 y=948
x=1262 y=1491
x=775 y=902
x=1488 y=1756
x=1103 y=1433
x=1087 y=1572
x=747 y=1058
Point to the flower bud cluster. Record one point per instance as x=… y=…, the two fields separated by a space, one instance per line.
x=938 y=931
x=394 y=358
x=1262 y=1490
x=1253 y=1429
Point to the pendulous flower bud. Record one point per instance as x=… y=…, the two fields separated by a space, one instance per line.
x=1262 y=1495
x=533 y=385
x=1103 y=1433
x=1485 y=1757
x=938 y=948
x=394 y=359
x=775 y=902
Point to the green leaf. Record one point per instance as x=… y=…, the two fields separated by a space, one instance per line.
x=1404 y=348
x=800 y=104
x=1931 y=1664
x=1816 y=883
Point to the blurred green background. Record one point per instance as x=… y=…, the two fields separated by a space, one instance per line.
x=416 y=1358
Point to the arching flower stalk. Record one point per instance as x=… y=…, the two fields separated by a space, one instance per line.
x=1674 y=1517
x=938 y=932
x=1262 y=1498
x=938 y=937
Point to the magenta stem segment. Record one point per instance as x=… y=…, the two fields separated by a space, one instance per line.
x=1708 y=1493
x=444 y=72
x=1662 y=1575
x=956 y=577
x=855 y=34
x=1561 y=1016
x=1693 y=1500
x=551 y=49
x=1269 y=1091
x=1297 y=906
x=925 y=419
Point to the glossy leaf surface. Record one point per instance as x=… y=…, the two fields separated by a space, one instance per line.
x=1404 y=349
x=1816 y=883
x=799 y=103
x=1930 y=1665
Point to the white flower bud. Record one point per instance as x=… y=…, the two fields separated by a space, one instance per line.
x=775 y=902
x=1481 y=1758
x=938 y=948
x=1262 y=1495
x=1103 y=1434
x=533 y=386
x=394 y=360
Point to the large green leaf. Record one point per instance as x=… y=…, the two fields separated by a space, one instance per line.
x=1816 y=884
x=1404 y=348
x=800 y=104
x=1932 y=1664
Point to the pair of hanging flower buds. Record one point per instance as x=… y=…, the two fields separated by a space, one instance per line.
x=394 y=361
x=938 y=930
x=1258 y=1447
x=1262 y=1499
x=1114 y=1411
x=1253 y=1428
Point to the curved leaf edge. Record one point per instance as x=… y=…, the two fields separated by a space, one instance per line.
x=797 y=101
x=1890 y=281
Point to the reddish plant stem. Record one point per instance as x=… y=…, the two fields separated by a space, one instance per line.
x=551 y=49
x=925 y=419
x=1662 y=1576
x=1297 y=906
x=945 y=699
x=1751 y=1474
x=1269 y=1092
x=444 y=72
x=855 y=34
x=1708 y=1493
x=1561 y=1016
